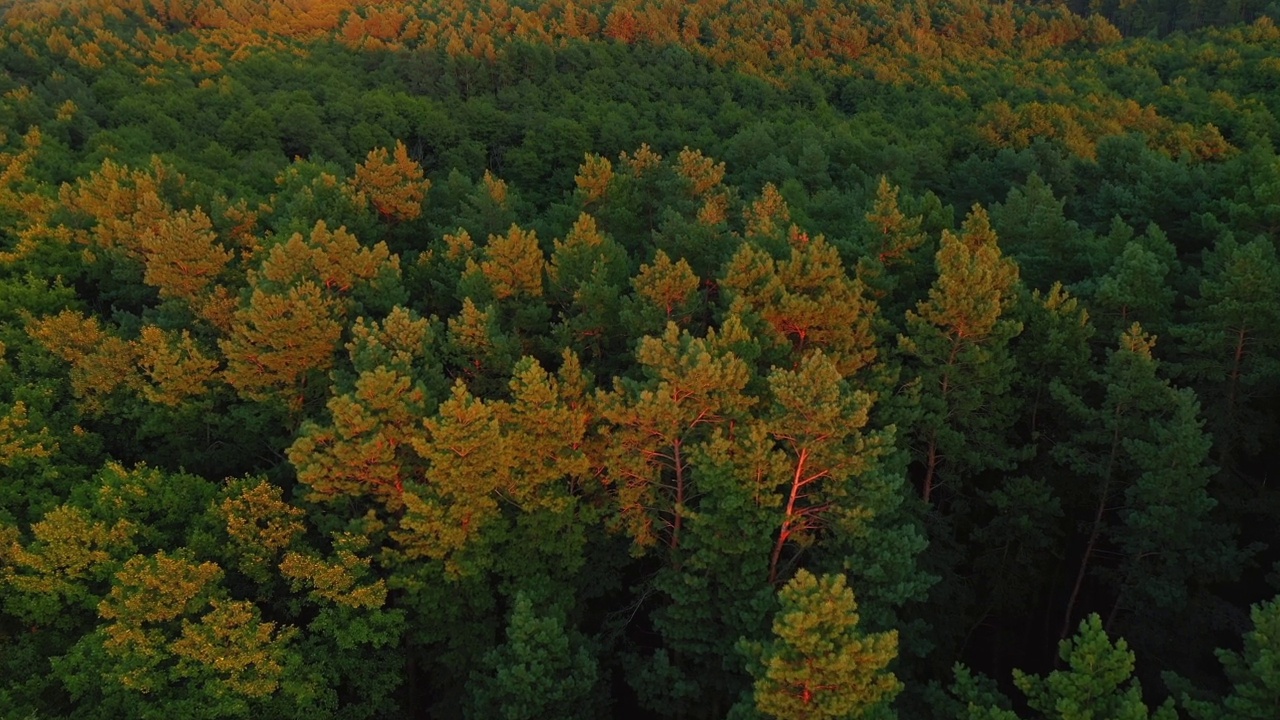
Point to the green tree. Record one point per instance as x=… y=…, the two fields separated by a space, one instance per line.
x=1135 y=289
x=664 y=291
x=1097 y=682
x=543 y=670
x=586 y=277
x=818 y=423
x=819 y=664
x=1033 y=228
x=957 y=343
x=1143 y=457
x=889 y=264
x=1231 y=345
x=1253 y=673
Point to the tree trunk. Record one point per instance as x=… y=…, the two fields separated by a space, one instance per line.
x=678 y=510
x=797 y=481
x=931 y=469
x=1094 y=534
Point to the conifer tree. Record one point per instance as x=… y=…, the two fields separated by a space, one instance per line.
x=720 y=592
x=171 y=633
x=260 y=526
x=1097 y=682
x=665 y=291
x=594 y=177
x=1231 y=346
x=958 y=342
x=355 y=276
x=1252 y=671
x=890 y=266
x=690 y=388
x=587 y=275
x=817 y=423
x=490 y=208
x=1054 y=347
x=363 y=447
x=309 y=193
x=394 y=186
x=120 y=205
x=281 y=344
x=767 y=219
x=512 y=265
x=546 y=424
x=1033 y=228
x=506 y=276
x=1135 y=289
x=807 y=302
x=487 y=466
x=478 y=348
x=182 y=256
x=102 y=363
x=1143 y=455
x=819 y=664
x=543 y=670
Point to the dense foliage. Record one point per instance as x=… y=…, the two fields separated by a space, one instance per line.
x=639 y=359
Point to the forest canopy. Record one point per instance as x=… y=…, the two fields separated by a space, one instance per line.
x=639 y=358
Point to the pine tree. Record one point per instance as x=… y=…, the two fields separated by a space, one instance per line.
x=490 y=208
x=665 y=291
x=56 y=579
x=690 y=388
x=817 y=423
x=958 y=342
x=395 y=187
x=182 y=256
x=1253 y=673
x=767 y=219
x=171 y=632
x=1143 y=457
x=889 y=265
x=1231 y=344
x=1135 y=289
x=355 y=277
x=102 y=364
x=507 y=277
x=549 y=494
x=448 y=511
x=479 y=349
x=495 y=470
x=593 y=178
x=1054 y=347
x=807 y=302
x=281 y=344
x=543 y=670
x=587 y=275
x=120 y=205
x=819 y=664
x=1034 y=230
x=720 y=591
x=363 y=449
x=1097 y=683
x=1168 y=534
x=260 y=526
x=308 y=193
x=513 y=265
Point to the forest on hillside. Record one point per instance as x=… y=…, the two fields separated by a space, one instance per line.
x=516 y=360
